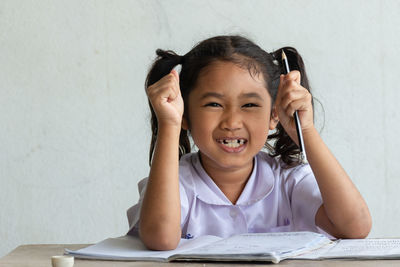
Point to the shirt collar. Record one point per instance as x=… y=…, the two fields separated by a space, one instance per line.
x=259 y=185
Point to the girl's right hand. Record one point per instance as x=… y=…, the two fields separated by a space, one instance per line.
x=166 y=100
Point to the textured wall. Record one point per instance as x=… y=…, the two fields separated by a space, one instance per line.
x=74 y=128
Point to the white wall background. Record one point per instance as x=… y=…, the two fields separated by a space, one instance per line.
x=74 y=131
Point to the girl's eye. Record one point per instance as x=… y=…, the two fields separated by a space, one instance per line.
x=213 y=104
x=250 y=105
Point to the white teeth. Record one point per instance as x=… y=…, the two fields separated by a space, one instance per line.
x=232 y=143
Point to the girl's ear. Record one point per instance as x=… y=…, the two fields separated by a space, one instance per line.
x=185 y=124
x=273 y=122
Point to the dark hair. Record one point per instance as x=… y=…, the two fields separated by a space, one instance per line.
x=246 y=54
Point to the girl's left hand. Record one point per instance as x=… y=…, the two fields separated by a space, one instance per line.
x=291 y=97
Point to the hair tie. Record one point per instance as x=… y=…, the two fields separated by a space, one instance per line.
x=274 y=60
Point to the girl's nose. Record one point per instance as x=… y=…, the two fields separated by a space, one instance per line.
x=231 y=121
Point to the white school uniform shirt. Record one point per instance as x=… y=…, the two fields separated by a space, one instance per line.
x=275 y=199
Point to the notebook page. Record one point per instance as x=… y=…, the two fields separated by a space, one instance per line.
x=315 y=254
x=130 y=247
x=365 y=248
x=264 y=243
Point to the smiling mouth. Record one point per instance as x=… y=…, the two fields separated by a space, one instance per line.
x=232 y=143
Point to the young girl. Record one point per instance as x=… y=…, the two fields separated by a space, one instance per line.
x=228 y=96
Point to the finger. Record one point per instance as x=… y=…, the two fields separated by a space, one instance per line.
x=287 y=82
x=293 y=95
x=284 y=87
x=176 y=75
x=300 y=105
x=170 y=90
x=176 y=80
x=166 y=92
x=172 y=96
x=168 y=80
x=294 y=75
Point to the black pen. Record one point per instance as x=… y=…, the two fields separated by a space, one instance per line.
x=303 y=156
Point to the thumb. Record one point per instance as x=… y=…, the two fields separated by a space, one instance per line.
x=294 y=75
x=175 y=73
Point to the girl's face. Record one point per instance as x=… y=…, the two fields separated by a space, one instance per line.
x=229 y=116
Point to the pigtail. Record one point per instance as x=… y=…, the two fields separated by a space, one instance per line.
x=295 y=63
x=163 y=64
x=284 y=145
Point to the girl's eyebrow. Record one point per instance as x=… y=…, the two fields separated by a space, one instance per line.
x=220 y=96
x=251 y=95
x=212 y=94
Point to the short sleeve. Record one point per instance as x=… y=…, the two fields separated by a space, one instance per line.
x=133 y=212
x=305 y=202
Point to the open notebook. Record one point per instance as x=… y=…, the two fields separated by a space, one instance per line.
x=266 y=247
x=246 y=247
